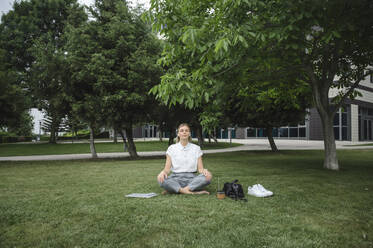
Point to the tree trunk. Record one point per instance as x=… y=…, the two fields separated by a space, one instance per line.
x=76 y=135
x=52 y=137
x=214 y=137
x=92 y=143
x=172 y=137
x=199 y=136
x=321 y=99
x=271 y=140
x=115 y=136
x=55 y=123
x=330 y=160
x=160 y=135
x=125 y=145
x=131 y=144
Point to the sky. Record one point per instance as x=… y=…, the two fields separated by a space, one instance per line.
x=6 y=5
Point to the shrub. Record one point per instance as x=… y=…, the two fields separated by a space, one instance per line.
x=14 y=139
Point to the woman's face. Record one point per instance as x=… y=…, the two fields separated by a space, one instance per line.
x=184 y=132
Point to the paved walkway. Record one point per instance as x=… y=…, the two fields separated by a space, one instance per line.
x=248 y=145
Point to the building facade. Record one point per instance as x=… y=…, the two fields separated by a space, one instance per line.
x=352 y=122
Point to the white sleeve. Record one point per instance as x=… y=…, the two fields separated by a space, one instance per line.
x=169 y=151
x=199 y=152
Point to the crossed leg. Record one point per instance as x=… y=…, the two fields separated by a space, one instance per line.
x=194 y=187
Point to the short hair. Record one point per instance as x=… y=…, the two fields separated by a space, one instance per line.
x=183 y=125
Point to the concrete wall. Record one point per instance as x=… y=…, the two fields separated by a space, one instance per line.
x=315 y=126
x=137 y=132
x=354 y=123
x=240 y=132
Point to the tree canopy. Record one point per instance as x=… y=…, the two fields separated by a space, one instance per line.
x=329 y=44
x=113 y=65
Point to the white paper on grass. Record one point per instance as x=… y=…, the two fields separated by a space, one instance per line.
x=141 y=195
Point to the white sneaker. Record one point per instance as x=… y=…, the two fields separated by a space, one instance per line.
x=265 y=191
x=258 y=191
x=255 y=191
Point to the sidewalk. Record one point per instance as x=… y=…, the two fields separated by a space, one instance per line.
x=248 y=145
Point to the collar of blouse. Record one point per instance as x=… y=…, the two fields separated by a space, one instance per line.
x=184 y=148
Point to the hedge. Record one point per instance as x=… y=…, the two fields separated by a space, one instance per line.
x=14 y=139
x=103 y=135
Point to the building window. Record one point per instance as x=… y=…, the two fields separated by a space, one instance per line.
x=293 y=132
x=275 y=132
x=302 y=132
x=250 y=132
x=283 y=132
x=296 y=131
x=262 y=132
x=340 y=124
x=365 y=124
x=371 y=78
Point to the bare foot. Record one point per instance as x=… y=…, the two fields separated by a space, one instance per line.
x=165 y=192
x=202 y=192
x=185 y=190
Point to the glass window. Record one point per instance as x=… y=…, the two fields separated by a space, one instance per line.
x=250 y=132
x=293 y=132
x=360 y=134
x=302 y=132
x=262 y=132
x=283 y=132
x=275 y=132
x=370 y=112
x=336 y=133
x=371 y=78
x=344 y=133
x=336 y=119
x=344 y=119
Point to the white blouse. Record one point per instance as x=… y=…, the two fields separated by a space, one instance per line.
x=184 y=158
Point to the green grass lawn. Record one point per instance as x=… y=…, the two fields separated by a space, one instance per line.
x=82 y=203
x=76 y=148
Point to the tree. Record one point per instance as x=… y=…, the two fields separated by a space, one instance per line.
x=84 y=62
x=113 y=59
x=49 y=79
x=13 y=100
x=325 y=40
x=265 y=97
x=267 y=106
x=23 y=125
x=32 y=34
x=73 y=124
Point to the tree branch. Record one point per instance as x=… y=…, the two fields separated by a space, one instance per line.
x=352 y=88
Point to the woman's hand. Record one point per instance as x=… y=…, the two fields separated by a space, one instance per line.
x=162 y=176
x=206 y=173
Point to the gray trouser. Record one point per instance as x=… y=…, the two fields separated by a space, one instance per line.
x=180 y=180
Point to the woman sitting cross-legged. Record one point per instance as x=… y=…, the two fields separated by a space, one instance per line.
x=184 y=159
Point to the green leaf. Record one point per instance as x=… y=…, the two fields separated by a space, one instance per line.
x=222 y=43
x=206 y=97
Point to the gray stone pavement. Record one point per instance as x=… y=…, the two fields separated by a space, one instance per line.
x=248 y=145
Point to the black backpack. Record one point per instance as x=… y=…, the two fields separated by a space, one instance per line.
x=234 y=190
